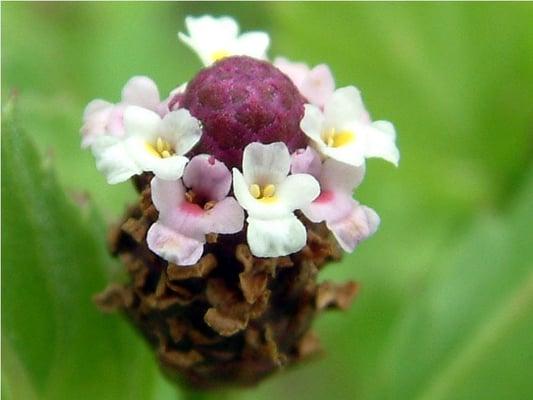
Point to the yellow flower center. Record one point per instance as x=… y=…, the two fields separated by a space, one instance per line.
x=219 y=55
x=161 y=148
x=265 y=193
x=338 y=139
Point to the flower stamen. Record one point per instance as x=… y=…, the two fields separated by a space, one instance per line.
x=219 y=55
x=255 y=191
x=332 y=138
x=265 y=193
x=161 y=149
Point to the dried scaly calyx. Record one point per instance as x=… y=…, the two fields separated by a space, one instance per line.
x=232 y=318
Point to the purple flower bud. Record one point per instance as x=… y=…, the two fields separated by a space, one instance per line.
x=241 y=100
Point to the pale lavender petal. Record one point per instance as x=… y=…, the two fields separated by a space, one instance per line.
x=167 y=196
x=207 y=177
x=296 y=71
x=329 y=206
x=339 y=176
x=95 y=119
x=173 y=246
x=318 y=85
x=188 y=219
x=115 y=122
x=94 y=107
x=227 y=216
x=306 y=161
x=357 y=226
x=141 y=91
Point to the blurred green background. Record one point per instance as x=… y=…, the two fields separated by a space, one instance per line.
x=446 y=305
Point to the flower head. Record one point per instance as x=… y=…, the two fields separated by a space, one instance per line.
x=349 y=221
x=344 y=132
x=104 y=118
x=270 y=197
x=240 y=293
x=191 y=208
x=149 y=143
x=316 y=85
x=216 y=38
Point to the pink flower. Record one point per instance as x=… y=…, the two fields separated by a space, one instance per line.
x=192 y=207
x=104 y=118
x=316 y=85
x=349 y=221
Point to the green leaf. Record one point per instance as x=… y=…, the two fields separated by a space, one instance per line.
x=469 y=333
x=56 y=344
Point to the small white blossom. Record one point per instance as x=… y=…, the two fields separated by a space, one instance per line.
x=150 y=143
x=270 y=196
x=344 y=131
x=216 y=38
x=104 y=118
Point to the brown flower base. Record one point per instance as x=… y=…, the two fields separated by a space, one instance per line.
x=232 y=318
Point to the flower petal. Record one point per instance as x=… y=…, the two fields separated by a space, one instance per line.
x=340 y=176
x=170 y=168
x=252 y=44
x=167 y=196
x=208 y=177
x=357 y=226
x=298 y=191
x=181 y=129
x=306 y=161
x=312 y=123
x=95 y=106
x=241 y=190
x=172 y=246
x=265 y=164
x=113 y=159
x=115 y=121
x=95 y=119
x=227 y=216
x=141 y=122
x=345 y=106
x=330 y=206
x=209 y=36
x=209 y=27
x=275 y=237
x=296 y=71
x=380 y=142
x=318 y=85
x=141 y=91
x=352 y=154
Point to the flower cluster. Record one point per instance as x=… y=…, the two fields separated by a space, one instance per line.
x=248 y=145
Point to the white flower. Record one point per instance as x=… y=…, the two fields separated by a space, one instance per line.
x=270 y=197
x=104 y=118
x=316 y=85
x=216 y=38
x=148 y=144
x=344 y=131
